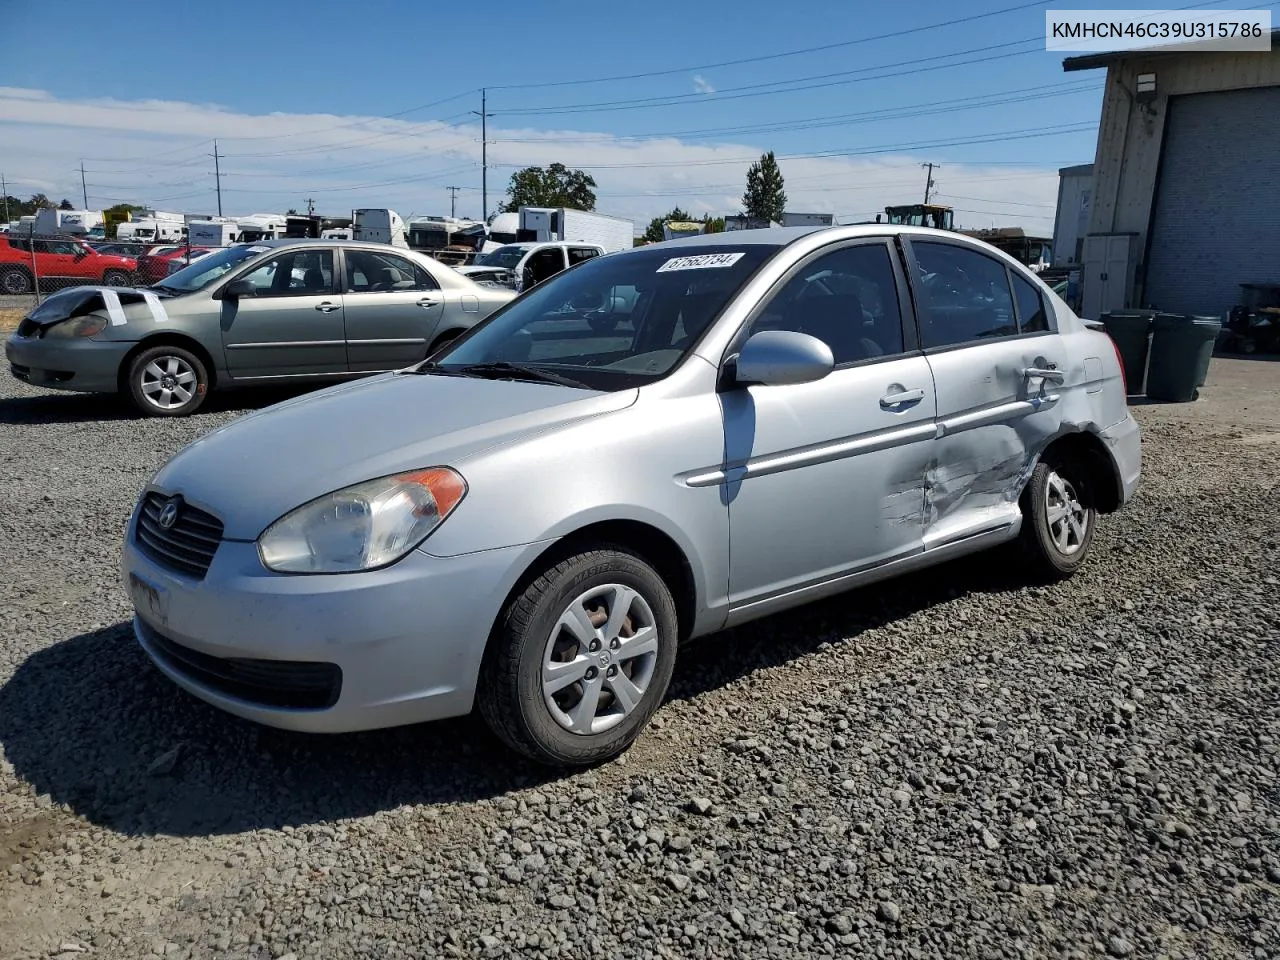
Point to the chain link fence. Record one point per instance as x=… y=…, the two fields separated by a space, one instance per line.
x=35 y=266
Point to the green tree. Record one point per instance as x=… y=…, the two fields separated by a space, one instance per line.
x=653 y=233
x=714 y=224
x=39 y=202
x=65 y=204
x=765 y=197
x=553 y=186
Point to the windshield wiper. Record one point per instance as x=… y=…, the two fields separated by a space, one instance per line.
x=498 y=369
x=165 y=288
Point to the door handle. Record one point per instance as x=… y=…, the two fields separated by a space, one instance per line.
x=1044 y=373
x=901 y=397
x=427 y=302
x=326 y=307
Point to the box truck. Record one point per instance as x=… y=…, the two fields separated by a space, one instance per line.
x=212 y=233
x=543 y=224
x=79 y=222
x=378 y=225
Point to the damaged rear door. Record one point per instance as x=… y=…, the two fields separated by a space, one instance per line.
x=831 y=472
x=999 y=371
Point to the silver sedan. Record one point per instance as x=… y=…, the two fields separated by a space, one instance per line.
x=652 y=446
x=277 y=311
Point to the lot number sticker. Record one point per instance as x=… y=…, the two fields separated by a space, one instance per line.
x=706 y=261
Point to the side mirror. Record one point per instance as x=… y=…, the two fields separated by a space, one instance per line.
x=782 y=357
x=239 y=288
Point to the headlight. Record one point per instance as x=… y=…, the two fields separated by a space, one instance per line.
x=362 y=527
x=87 y=326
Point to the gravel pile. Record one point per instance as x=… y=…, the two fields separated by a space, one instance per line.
x=949 y=765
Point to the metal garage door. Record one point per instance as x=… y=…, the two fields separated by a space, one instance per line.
x=1217 y=210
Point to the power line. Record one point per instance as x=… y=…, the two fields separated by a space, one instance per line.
x=757 y=89
x=929 y=108
x=356 y=123
x=1001 y=137
x=764 y=57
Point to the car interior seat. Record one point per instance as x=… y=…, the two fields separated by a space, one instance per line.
x=837 y=321
x=313 y=279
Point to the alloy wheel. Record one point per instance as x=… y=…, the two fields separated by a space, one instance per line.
x=600 y=659
x=168 y=382
x=1066 y=517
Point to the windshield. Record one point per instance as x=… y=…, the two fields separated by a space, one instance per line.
x=208 y=268
x=616 y=321
x=507 y=257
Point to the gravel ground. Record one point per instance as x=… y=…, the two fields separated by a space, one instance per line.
x=950 y=765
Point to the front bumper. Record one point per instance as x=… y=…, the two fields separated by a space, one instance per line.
x=73 y=364
x=1124 y=441
x=407 y=640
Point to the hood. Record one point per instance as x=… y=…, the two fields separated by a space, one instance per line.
x=254 y=470
x=121 y=304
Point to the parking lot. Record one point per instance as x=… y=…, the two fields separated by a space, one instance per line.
x=950 y=765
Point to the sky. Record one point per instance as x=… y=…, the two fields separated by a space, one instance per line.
x=377 y=104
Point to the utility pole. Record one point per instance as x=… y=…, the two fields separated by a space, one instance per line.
x=484 y=154
x=83 y=189
x=217 y=176
x=311 y=207
x=4 y=189
x=453 y=200
x=928 y=183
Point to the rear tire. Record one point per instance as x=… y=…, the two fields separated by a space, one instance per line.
x=581 y=660
x=442 y=341
x=167 y=381
x=115 y=278
x=14 y=282
x=1058 y=518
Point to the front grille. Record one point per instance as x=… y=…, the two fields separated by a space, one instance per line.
x=292 y=684
x=188 y=545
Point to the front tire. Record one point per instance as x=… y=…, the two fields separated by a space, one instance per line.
x=167 y=381
x=581 y=660
x=1058 y=518
x=15 y=281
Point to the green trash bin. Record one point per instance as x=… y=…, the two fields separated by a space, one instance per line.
x=1207 y=355
x=1131 y=331
x=1181 y=348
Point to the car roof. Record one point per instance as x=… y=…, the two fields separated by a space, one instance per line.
x=323 y=242
x=782 y=236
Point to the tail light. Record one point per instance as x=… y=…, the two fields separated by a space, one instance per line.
x=1120 y=361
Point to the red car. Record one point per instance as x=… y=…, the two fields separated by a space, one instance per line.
x=154 y=267
x=58 y=262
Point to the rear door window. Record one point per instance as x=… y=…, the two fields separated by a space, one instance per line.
x=965 y=295
x=1032 y=315
x=578 y=254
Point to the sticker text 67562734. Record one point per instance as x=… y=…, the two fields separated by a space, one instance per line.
x=704 y=261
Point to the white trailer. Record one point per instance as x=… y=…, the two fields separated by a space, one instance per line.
x=379 y=225
x=261 y=226
x=543 y=224
x=152 y=230
x=212 y=233
x=79 y=222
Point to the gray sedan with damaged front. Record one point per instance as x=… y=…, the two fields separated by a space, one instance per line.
x=650 y=446
x=278 y=311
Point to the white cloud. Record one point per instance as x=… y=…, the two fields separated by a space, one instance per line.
x=158 y=152
x=700 y=84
